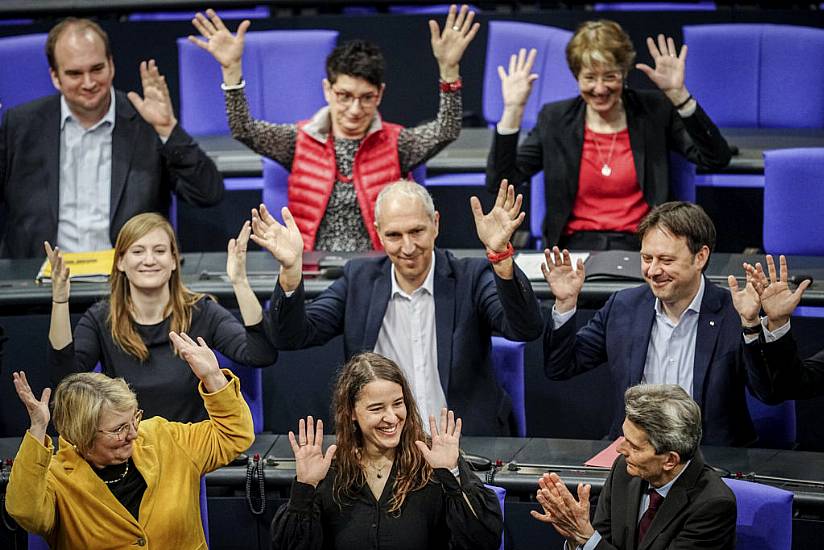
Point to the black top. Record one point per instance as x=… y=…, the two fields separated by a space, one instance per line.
x=433 y=518
x=556 y=143
x=127 y=487
x=165 y=385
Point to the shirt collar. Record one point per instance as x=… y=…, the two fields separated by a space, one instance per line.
x=66 y=113
x=695 y=305
x=664 y=490
x=428 y=283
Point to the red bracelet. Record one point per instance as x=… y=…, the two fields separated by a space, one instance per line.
x=496 y=257
x=451 y=87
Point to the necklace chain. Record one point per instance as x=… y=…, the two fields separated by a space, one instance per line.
x=121 y=478
x=378 y=471
x=606 y=170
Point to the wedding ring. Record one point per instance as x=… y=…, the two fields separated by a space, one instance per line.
x=456 y=28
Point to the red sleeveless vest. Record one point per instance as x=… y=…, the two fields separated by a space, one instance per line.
x=313 y=177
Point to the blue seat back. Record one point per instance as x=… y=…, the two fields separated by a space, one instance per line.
x=508 y=362
x=24 y=70
x=774 y=424
x=765 y=516
x=500 y=492
x=251 y=386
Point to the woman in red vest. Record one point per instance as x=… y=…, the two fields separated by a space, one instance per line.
x=345 y=154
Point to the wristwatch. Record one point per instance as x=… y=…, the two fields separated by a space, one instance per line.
x=751 y=330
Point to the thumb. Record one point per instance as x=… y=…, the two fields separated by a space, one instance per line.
x=136 y=100
x=330 y=452
x=646 y=69
x=44 y=397
x=477 y=210
x=732 y=282
x=423 y=449
x=242 y=28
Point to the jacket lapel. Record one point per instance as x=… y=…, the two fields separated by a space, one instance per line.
x=51 y=122
x=381 y=290
x=640 y=335
x=444 y=316
x=709 y=327
x=635 y=490
x=637 y=137
x=147 y=463
x=124 y=135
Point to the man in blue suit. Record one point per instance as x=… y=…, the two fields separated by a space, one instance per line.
x=678 y=329
x=429 y=311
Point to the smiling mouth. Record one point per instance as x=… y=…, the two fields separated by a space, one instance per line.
x=390 y=430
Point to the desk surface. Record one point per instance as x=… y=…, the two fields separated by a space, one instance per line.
x=206 y=272
x=468 y=153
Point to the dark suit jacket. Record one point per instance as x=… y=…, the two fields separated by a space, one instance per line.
x=778 y=367
x=144 y=172
x=556 y=143
x=470 y=303
x=699 y=511
x=619 y=336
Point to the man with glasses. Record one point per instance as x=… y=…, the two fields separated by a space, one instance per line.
x=345 y=154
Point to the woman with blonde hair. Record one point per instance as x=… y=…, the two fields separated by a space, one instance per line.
x=128 y=333
x=384 y=480
x=117 y=482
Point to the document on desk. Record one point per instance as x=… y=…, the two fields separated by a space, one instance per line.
x=530 y=263
x=605 y=458
x=90 y=267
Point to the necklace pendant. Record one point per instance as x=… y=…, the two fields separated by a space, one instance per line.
x=606 y=171
x=379 y=475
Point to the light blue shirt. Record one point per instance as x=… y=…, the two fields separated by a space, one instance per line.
x=85 y=181
x=662 y=490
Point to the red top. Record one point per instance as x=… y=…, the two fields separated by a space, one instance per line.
x=607 y=203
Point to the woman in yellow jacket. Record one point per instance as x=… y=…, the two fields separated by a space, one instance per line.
x=116 y=482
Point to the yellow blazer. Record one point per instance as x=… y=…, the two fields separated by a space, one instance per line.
x=64 y=501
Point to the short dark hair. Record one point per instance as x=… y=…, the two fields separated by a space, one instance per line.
x=681 y=219
x=78 y=24
x=356 y=58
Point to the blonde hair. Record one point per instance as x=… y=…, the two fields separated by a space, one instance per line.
x=413 y=472
x=601 y=42
x=181 y=299
x=79 y=400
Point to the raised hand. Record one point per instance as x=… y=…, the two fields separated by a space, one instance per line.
x=283 y=241
x=516 y=84
x=61 y=286
x=570 y=517
x=496 y=228
x=236 y=255
x=449 y=45
x=777 y=300
x=155 y=107
x=445 y=441
x=311 y=464
x=225 y=47
x=201 y=360
x=38 y=409
x=668 y=73
x=746 y=300
x=564 y=280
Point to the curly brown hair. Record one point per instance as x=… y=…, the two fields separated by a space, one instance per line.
x=412 y=471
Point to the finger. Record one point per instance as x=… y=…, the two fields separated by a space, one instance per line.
x=509 y=201
x=567 y=258
x=468 y=29
x=783 y=272
x=516 y=207
x=49 y=249
x=513 y=62
x=450 y=17
x=771 y=269
x=682 y=56
x=198 y=42
x=458 y=426
x=732 y=282
x=177 y=341
x=207 y=25
x=447 y=422
x=477 y=209
x=197 y=23
x=521 y=59
x=310 y=430
x=319 y=432
x=216 y=20
x=288 y=219
x=671 y=50
x=293 y=443
x=662 y=45
x=540 y=517
x=461 y=17
x=653 y=49
x=301 y=432
x=556 y=256
x=330 y=453
x=433 y=429
x=502 y=189
x=242 y=28
x=265 y=215
x=434 y=31
x=799 y=292
x=188 y=339
x=514 y=224
x=581 y=268
x=501 y=73
x=530 y=60
x=201 y=342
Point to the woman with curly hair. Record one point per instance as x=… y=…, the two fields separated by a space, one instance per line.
x=385 y=483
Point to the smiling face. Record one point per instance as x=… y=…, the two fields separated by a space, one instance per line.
x=380 y=413
x=84 y=74
x=108 y=448
x=407 y=234
x=352 y=103
x=642 y=460
x=600 y=87
x=671 y=270
x=148 y=262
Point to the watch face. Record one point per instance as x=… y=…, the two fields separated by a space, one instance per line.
x=752 y=330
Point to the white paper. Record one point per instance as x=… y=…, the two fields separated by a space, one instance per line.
x=530 y=263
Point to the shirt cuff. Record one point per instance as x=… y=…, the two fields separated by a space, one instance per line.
x=229 y=87
x=504 y=131
x=592 y=542
x=777 y=333
x=560 y=319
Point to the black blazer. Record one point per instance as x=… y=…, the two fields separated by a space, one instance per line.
x=556 y=143
x=699 y=511
x=144 y=172
x=778 y=366
x=470 y=304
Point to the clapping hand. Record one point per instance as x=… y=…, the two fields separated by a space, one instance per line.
x=516 y=84
x=445 y=442
x=236 y=255
x=496 y=228
x=61 y=286
x=38 y=409
x=225 y=47
x=201 y=360
x=449 y=46
x=564 y=280
x=669 y=70
x=570 y=517
x=311 y=464
x=156 y=105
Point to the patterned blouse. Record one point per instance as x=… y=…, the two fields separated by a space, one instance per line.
x=342 y=227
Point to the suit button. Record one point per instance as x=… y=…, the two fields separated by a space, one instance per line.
x=141 y=542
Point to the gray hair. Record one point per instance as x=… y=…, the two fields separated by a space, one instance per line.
x=671 y=419
x=409 y=189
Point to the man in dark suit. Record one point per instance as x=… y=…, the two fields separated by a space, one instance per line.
x=659 y=494
x=680 y=328
x=75 y=167
x=430 y=312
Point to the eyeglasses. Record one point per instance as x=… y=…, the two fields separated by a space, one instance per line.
x=346 y=99
x=122 y=431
